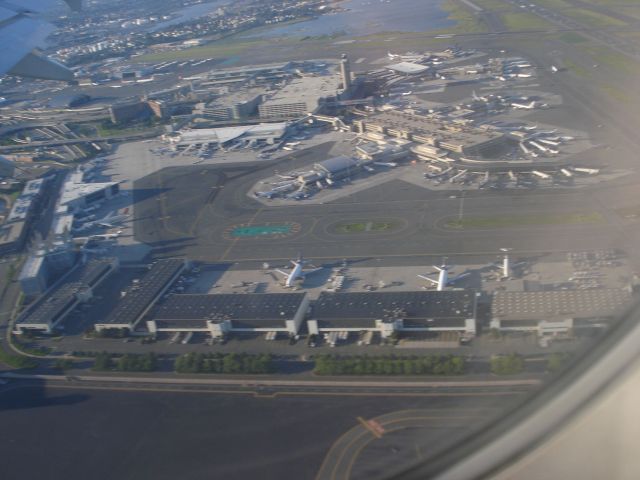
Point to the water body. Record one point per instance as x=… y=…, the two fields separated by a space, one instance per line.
x=190 y=13
x=364 y=17
x=69 y=434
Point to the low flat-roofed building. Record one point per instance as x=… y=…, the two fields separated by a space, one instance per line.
x=219 y=314
x=77 y=194
x=34 y=276
x=12 y=237
x=25 y=203
x=142 y=295
x=389 y=312
x=74 y=288
x=557 y=311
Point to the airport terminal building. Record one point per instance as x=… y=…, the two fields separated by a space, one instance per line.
x=557 y=311
x=63 y=297
x=142 y=295
x=389 y=312
x=221 y=314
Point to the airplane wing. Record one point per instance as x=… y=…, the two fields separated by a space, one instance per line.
x=459 y=277
x=24 y=29
x=307 y=272
x=424 y=277
x=282 y=272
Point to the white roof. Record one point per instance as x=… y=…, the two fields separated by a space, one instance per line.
x=225 y=134
x=74 y=188
x=408 y=67
x=63 y=224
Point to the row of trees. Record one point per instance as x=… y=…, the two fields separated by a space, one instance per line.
x=224 y=363
x=390 y=365
x=507 y=364
x=129 y=362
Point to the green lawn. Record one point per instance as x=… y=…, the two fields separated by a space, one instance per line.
x=361 y=227
x=516 y=21
x=525 y=220
x=577 y=69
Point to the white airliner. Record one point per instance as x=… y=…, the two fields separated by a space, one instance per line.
x=296 y=272
x=524 y=106
x=443 y=280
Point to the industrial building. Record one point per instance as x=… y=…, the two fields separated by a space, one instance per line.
x=221 y=314
x=556 y=311
x=65 y=295
x=143 y=294
x=389 y=312
x=268 y=133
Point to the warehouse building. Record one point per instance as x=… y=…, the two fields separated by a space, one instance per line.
x=557 y=311
x=222 y=314
x=74 y=288
x=389 y=312
x=143 y=294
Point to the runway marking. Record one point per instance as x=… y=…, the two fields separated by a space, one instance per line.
x=369 y=440
x=375 y=430
x=233 y=244
x=335 y=444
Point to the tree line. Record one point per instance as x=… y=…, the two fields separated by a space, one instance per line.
x=129 y=362
x=224 y=363
x=389 y=365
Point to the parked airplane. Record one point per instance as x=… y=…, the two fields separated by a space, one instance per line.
x=111 y=220
x=443 y=276
x=297 y=271
x=524 y=106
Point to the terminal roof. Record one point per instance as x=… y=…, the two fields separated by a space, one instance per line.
x=559 y=303
x=417 y=304
x=409 y=68
x=253 y=306
x=140 y=296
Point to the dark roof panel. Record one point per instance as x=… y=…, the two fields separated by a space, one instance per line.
x=380 y=305
x=246 y=306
